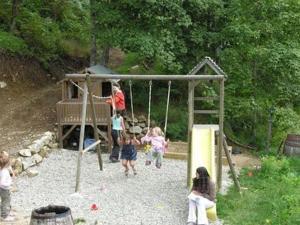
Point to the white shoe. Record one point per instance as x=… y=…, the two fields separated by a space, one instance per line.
x=8 y=219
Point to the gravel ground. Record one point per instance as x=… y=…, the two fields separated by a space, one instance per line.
x=153 y=197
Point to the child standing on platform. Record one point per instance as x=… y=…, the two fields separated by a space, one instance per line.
x=117 y=128
x=158 y=146
x=129 y=153
x=5 y=185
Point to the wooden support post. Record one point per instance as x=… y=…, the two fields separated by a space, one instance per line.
x=236 y=182
x=96 y=135
x=221 y=135
x=190 y=126
x=68 y=132
x=81 y=139
x=101 y=133
x=60 y=135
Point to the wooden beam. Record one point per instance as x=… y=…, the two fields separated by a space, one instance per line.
x=102 y=134
x=96 y=135
x=82 y=128
x=221 y=134
x=147 y=77
x=91 y=146
x=68 y=132
x=236 y=182
x=190 y=127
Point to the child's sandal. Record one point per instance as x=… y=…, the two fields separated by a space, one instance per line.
x=126 y=173
x=134 y=171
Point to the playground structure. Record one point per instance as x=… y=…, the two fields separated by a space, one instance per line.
x=201 y=139
x=193 y=81
x=69 y=108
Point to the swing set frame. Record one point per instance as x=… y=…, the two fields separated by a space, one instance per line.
x=193 y=81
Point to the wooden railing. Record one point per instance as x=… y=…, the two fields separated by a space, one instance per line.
x=69 y=112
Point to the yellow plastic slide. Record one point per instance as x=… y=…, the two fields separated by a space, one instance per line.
x=203 y=154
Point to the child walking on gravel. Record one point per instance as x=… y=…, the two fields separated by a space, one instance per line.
x=5 y=185
x=158 y=146
x=203 y=196
x=129 y=154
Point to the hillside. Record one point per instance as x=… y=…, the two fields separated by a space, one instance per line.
x=28 y=101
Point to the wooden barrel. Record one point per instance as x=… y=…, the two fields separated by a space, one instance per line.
x=51 y=215
x=292 y=145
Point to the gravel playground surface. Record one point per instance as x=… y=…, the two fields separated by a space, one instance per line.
x=153 y=197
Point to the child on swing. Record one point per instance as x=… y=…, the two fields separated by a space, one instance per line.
x=158 y=146
x=129 y=153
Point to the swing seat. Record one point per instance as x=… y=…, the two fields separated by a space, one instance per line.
x=212 y=213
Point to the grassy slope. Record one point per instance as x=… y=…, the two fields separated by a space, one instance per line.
x=271 y=195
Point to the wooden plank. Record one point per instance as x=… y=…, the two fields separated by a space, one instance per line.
x=206 y=111
x=176 y=155
x=208 y=98
x=91 y=146
x=93 y=112
x=82 y=128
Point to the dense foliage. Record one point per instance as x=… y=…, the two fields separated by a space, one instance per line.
x=44 y=29
x=255 y=42
x=270 y=195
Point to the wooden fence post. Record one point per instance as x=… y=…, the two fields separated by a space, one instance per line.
x=81 y=139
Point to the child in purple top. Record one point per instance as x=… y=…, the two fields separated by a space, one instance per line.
x=158 y=146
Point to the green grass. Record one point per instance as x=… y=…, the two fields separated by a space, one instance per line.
x=271 y=195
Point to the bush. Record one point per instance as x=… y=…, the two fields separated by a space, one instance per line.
x=42 y=34
x=12 y=44
x=274 y=166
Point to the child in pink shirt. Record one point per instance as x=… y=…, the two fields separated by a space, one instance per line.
x=158 y=146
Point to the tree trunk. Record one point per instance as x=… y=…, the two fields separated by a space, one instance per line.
x=93 y=53
x=14 y=12
x=104 y=56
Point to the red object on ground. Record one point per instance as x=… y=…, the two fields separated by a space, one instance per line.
x=94 y=207
x=249 y=174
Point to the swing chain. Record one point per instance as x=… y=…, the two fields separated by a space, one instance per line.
x=167 y=109
x=149 y=103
